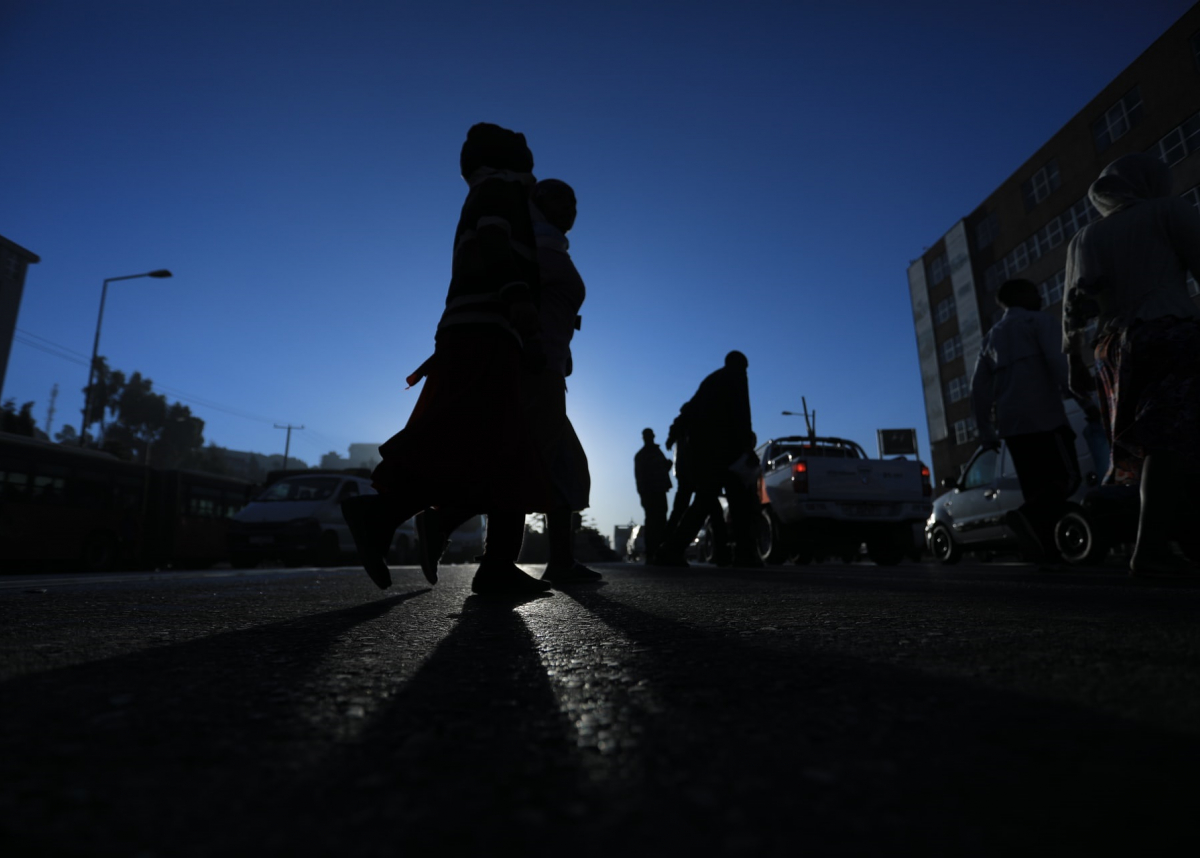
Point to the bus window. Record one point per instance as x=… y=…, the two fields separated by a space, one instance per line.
x=14 y=485
x=49 y=489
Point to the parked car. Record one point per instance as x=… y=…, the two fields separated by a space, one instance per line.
x=298 y=519
x=970 y=516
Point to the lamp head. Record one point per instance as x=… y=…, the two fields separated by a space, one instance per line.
x=161 y=272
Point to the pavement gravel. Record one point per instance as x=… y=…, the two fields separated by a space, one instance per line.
x=831 y=709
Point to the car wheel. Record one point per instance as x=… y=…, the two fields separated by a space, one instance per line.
x=771 y=547
x=942 y=545
x=1078 y=541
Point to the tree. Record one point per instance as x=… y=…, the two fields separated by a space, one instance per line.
x=18 y=422
x=141 y=424
x=101 y=394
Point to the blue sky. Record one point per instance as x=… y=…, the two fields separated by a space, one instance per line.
x=750 y=175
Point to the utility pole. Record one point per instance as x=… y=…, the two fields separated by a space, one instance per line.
x=288 y=444
x=50 y=410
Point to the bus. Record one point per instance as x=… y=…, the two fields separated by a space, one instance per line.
x=64 y=507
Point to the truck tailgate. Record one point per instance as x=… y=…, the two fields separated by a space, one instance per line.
x=850 y=480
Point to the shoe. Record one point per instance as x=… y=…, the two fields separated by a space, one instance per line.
x=1028 y=543
x=431 y=542
x=576 y=573
x=496 y=578
x=372 y=536
x=1167 y=566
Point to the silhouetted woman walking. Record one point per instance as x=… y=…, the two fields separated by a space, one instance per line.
x=1128 y=272
x=467 y=442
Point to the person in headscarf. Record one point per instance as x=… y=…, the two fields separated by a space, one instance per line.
x=1127 y=273
x=553 y=211
x=485 y=339
x=1017 y=393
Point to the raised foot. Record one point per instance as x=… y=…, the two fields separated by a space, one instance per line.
x=365 y=516
x=431 y=542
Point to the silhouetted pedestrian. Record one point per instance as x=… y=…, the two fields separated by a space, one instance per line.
x=553 y=209
x=652 y=472
x=1021 y=376
x=717 y=423
x=473 y=381
x=1127 y=273
x=685 y=492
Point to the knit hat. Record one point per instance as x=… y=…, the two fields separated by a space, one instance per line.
x=489 y=145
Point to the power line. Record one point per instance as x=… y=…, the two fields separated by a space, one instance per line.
x=50 y=347
x=61 y=351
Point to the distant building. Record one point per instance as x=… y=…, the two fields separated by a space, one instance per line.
x=1022 y=229
x=620 y=539
x=14 y=260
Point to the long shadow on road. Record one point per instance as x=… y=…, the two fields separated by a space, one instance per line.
x=774 y=750
x=160 y=746
x=733 y=748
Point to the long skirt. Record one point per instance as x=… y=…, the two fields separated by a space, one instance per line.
x=1149 y=376
x=562 y=454
x=468 y=442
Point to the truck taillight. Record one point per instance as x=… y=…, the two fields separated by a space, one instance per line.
x=800 y=477
x=926 y=485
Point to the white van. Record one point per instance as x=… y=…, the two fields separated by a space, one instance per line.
x=970 y=517
x=299 y=520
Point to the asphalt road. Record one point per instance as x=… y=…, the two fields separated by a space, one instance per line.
x=826 y=710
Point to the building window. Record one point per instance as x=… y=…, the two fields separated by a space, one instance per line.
x=1041 y=184
x=958 y=388
x=1052 y=289
x=985 y=231
x=951 y=349
x=1118 y=119
x=1193 y=197
x=1178 y=143
x=939 y=267
x=965 y=430
x=944 y=311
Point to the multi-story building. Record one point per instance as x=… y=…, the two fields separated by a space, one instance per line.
x=14 y=260
x=1022 y=228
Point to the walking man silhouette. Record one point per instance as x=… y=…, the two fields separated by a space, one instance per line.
x=651 y=470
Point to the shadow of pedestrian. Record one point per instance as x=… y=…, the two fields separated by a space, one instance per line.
x=472 y=757
x=743 y=744
x=126 y=751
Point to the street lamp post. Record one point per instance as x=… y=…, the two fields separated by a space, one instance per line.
x=87 y=401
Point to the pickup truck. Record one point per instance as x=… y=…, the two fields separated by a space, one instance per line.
x=824 y=497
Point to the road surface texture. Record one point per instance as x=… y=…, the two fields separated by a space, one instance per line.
x=824 y=710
